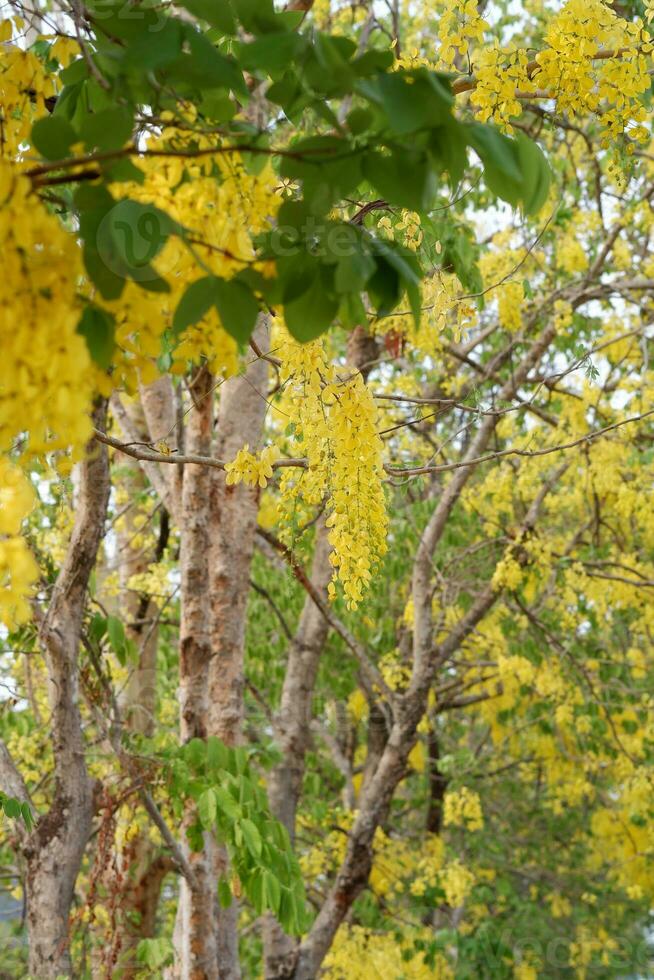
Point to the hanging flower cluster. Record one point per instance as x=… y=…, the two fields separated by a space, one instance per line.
x=18 y=570
x=253 y=470
x=45 y=387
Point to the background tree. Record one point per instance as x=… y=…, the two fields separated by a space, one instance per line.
x=325 y=470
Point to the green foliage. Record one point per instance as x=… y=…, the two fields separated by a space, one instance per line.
x=16 y=810
x=98 y=328
x=154 y=953
x=113 y=629
x=234 y=301
x=230 y=799
x=400 y=142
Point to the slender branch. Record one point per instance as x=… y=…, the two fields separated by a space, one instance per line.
x=162 y=827
x=503 y=453
x=370 y=671
x=141 y=451
x=11 y=781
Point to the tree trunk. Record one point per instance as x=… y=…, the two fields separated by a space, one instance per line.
x=294 y=735
x=355 y=869
x=55 y=849
x=243 y=404
x=195 y=932
x=135 y=876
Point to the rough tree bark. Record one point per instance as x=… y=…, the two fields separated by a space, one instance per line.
x=243 y=404
x=54 y=850
x=195 y=933
x=141 y=865
x=293 y=730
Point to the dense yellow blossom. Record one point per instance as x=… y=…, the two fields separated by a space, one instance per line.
x=18 y=569
x=221 y=207
x=463 y=807
x=359 y=954
x=335 y=427
x=45 y=387
x=253 y=470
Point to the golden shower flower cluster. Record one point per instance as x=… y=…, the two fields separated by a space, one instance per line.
x=45 y=386
x=500 y=73
x=582 y=83
x=18 y=570
x=357 y=520
x=251 y=469
x=460 y=23
x=463 y=809
x=335 y=428
x=25 y=84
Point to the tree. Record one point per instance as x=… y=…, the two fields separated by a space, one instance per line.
x=325 y=470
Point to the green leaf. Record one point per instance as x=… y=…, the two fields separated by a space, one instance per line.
x=218 y=106
x=255 y=15
x=215 y=12
x=140 y=231
x=328 y=166
x=237 y=307
x=272 y=890
x=97 y=627
x=109 y=285
x=271 y=52
x=155 y=953
x=352 y=312
x=312 y=311
x=384 y=287
x=117 y=639
x=98 y=329
x=217 y=754
x=207 y=808
x=69 y=104
x=204 y=67
x=125 y=237
x=116 y=171
x=28 y=818
x=448 y=150
x=234 y=301
x=11 y=807
x=130 y=24
x=535 y=174
x=148 y=53
x=359 y=120
x=255 y=891
x=53 y=137
x=389 y=175
x=495 y=150
x=224 y=893
x=373 y=61
x=76 y=71
x=195 y=752
x=353 y=272
x=408 y=270
x=194 y=304
x=515 y=170
x=107 y=130
x=410 y=100
x=227 y=804
x=252 y=838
